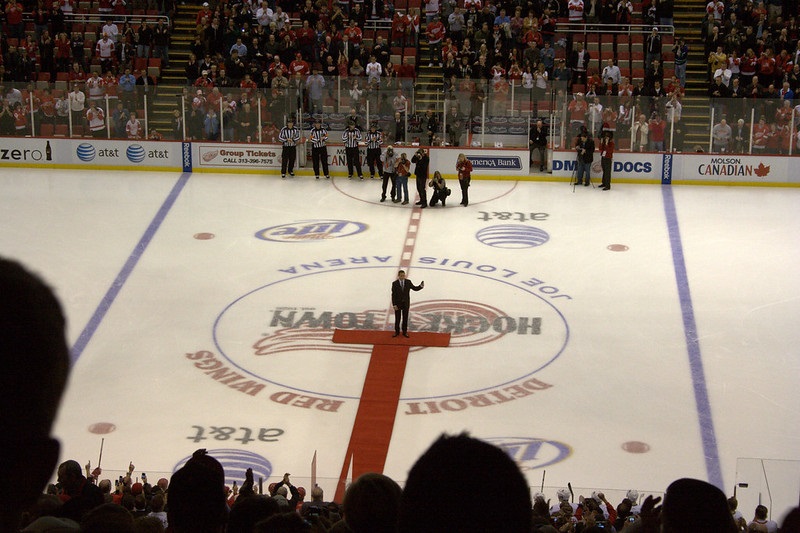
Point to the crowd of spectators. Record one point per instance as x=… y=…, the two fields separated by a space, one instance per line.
x=753 y=64
x=482 y=49
x=440 y=495
x=100 y=51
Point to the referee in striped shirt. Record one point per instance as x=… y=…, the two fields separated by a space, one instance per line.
x=319 y=148
x=374 y=139
x=351 y=138
x=289 y=136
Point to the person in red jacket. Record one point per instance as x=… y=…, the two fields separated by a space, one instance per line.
x=464 y=168
x=435 y=32
x=606 y=156
x=16 y=28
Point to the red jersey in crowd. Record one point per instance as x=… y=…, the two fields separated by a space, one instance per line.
x=766 y=66
x=760 y=135
x=435 y=32
x=299 y=65
x=14 y=13
x=355 y=35
x=657 y=129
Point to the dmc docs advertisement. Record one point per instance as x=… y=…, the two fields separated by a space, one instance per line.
x=89 y=153
x=638 y=167
x=730 y=168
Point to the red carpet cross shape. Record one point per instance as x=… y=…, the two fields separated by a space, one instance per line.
x=377 y=409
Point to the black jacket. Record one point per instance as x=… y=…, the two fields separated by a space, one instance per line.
x=421 y=168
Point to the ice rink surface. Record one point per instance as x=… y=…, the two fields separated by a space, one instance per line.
x=615 y=340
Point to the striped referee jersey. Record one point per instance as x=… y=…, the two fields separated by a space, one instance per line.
x=289 y=136
x=318 y=137
x=351 y=138
x=374 y=140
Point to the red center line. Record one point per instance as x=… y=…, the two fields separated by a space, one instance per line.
x=380 y=397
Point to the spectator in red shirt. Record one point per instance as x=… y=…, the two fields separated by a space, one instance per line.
x=355 y=34
x=657 y=128
x=16 y=28
x=299 y=65
x=435 y=32
x=275 y=66
x=407 y=72
x=766 y=66
x=204 y=13
x=400 y=28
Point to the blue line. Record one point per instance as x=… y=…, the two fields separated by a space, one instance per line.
x=127 y=269
x=710 y=448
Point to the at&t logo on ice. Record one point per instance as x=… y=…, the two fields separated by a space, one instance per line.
x=235 y=463
x=512 y=236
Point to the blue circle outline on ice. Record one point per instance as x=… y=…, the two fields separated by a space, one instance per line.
x=86 y=152
x=235 y=462
x=531 y=453
x=512 y=236
x=135 y=153
x=311 y=230
x=539 y=366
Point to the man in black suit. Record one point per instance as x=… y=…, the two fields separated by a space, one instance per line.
x=401 y=300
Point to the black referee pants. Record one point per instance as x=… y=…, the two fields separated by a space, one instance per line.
x=352 y=162
x=373 y=160
x=288 y=157
x=317 y=155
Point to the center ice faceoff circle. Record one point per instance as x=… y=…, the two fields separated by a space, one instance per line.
x=501 y=331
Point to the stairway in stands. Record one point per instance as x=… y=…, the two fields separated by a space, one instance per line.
x=689 y=15
x=429 y=90
x=173 y=79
